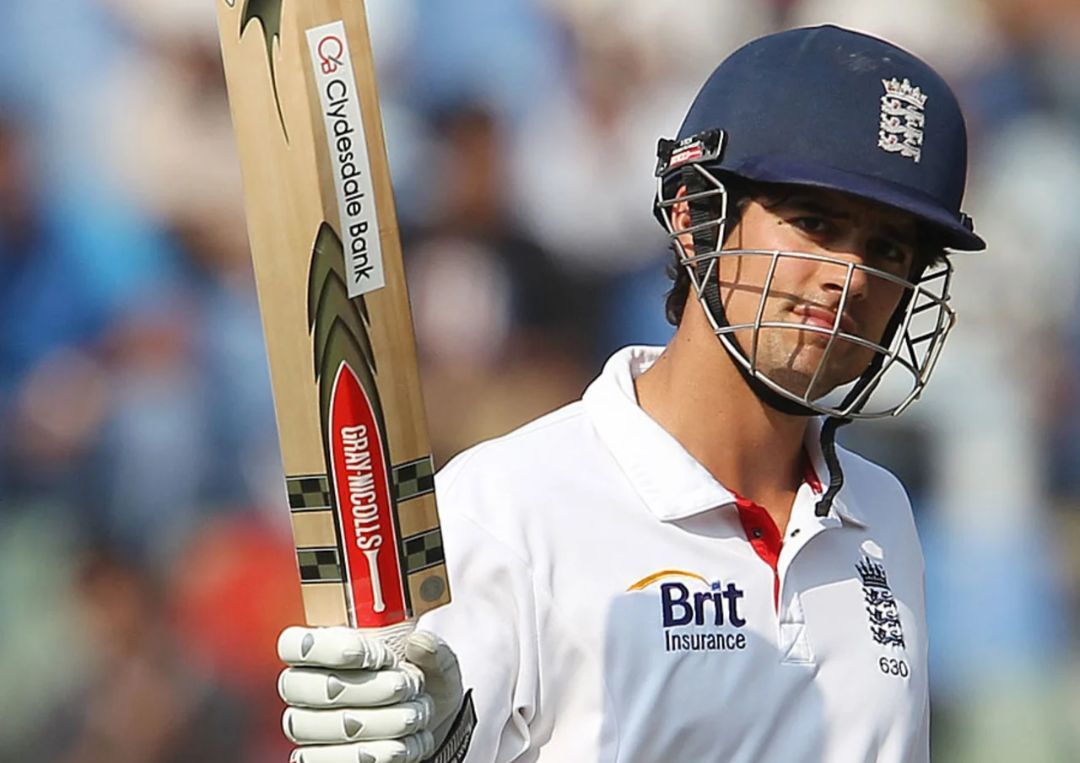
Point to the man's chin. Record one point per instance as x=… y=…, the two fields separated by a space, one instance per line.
x=797 y=382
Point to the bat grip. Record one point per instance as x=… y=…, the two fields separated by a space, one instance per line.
x=394 y=636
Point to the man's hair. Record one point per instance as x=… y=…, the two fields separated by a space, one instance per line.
x=740 y=193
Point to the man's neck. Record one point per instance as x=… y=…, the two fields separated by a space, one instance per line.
x=695 y=392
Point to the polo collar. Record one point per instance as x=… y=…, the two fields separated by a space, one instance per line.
x=671 y=483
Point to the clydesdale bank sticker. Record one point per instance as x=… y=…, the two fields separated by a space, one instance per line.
x=353 y=183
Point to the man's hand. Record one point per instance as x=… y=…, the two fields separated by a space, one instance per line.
x=352 y=701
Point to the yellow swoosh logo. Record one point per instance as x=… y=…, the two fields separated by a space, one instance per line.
x=647 y=581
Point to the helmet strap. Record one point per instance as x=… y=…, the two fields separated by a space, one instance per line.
x=832 y=463
x=832 y=423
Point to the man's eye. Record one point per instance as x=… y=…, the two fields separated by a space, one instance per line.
x=811 y=224
x=889 y=251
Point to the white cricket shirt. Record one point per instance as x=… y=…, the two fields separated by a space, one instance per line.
x=614 y=603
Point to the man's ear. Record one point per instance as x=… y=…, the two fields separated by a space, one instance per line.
x=681 y=220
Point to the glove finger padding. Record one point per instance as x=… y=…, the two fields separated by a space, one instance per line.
x=337 y=647
x=411 y=749
x=442 y=677
x=323 y=688
x=353 y=725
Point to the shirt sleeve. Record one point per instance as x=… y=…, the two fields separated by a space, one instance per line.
x=491 y=626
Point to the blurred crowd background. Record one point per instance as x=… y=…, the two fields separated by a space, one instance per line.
x=145 y=560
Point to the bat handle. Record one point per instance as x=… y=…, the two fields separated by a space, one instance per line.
x=394 y=636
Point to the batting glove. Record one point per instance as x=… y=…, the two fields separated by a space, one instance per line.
x=352 y=701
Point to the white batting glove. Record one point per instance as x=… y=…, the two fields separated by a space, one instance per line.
x=352 y=701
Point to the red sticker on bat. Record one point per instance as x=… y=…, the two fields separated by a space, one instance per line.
x=362 y=488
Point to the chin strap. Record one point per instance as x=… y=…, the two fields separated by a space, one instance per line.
x=832 y=463
x=832 y=423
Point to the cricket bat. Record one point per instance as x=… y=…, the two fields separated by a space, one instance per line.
x=335 y=313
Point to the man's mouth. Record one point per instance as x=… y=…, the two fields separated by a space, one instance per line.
x=823 y=317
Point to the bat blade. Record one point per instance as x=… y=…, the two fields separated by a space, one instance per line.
x=335 y=312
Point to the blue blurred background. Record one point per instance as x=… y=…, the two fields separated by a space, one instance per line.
x=143 y=539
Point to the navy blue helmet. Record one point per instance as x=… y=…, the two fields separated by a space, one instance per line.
x=830 y=108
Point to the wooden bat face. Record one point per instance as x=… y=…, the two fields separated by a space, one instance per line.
x=335 y=311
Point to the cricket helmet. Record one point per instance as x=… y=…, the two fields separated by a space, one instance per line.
x=827 y=108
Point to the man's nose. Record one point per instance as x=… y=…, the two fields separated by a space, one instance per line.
x=846 y=271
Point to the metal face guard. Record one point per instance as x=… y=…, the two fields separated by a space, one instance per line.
x=902 y=361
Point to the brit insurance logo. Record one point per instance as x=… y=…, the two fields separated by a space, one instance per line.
x=697 y=615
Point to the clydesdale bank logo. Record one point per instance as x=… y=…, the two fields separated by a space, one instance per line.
x=697 y=615
x=353 y=183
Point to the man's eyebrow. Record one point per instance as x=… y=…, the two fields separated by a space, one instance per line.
x=814 y=206
x=907 y=237
x=824 y=209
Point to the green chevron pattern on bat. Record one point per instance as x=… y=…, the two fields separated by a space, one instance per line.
x=268 y=14
x=339 y=326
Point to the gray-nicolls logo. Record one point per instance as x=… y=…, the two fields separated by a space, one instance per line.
x=881 y=606
x=902 y=119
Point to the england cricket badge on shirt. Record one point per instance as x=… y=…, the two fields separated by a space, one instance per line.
x=881 y=605
x=902 y=119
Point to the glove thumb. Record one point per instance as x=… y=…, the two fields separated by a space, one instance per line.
x=442 y=678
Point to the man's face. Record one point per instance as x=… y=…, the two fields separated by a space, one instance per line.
x=806 y=292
